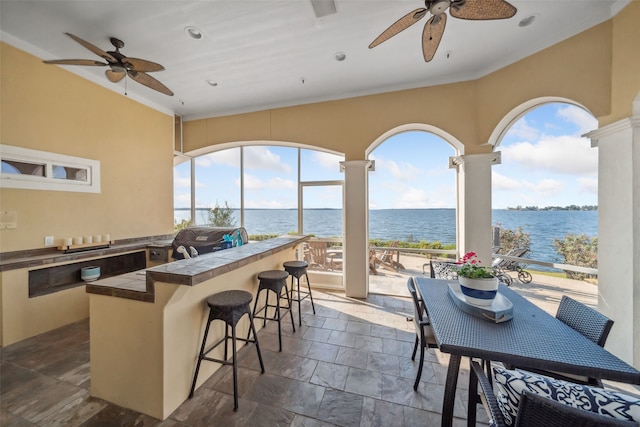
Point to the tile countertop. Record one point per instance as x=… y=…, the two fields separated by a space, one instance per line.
x=139 y=285
x=44 y=257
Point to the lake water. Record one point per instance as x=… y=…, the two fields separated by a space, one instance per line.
x=421 y=224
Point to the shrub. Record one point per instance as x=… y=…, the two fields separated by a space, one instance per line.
x=222 y=216
x=580 y=250
x=513 y=239
x=177 y=226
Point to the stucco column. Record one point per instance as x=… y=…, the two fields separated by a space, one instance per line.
x=619 y=233
x=473 y=219
x=356 y=227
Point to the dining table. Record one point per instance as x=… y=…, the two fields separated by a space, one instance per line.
x=531 y=338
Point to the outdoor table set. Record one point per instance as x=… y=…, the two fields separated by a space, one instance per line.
x=529 y=338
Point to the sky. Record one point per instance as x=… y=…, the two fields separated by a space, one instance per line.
x=545 y=162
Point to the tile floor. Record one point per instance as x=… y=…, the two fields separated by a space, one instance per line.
x=347 y=365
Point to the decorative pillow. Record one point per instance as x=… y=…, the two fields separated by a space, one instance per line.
x=510 y=385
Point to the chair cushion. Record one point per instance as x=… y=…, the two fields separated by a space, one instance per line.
x=510 y=385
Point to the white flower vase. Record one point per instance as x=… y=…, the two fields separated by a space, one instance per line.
x=479 y=291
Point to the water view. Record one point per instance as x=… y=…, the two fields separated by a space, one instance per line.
x=420 y=224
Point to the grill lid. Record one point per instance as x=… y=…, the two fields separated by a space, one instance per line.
x=204 y=239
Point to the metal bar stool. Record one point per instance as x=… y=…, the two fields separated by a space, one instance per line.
x=228 y=306
x=297 y=269
x=273 y=280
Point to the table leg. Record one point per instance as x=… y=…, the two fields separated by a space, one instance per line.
x=450 y=390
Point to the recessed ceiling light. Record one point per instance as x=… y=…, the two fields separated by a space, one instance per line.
x=193 y=33
x=525 y=22
x=212 y=83
x=340 y=56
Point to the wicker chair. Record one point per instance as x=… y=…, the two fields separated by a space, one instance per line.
x=590 y=323
x=533 y=410
x=443 y=270
x=424 y=333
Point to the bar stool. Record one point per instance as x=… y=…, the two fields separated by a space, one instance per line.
x=273 y=280
x=228 y=306
x=297 y=269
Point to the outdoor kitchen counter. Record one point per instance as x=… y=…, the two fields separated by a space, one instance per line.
x=190 y=272
x=146 y=326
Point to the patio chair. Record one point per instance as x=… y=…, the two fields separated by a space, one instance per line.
x=386 y=260
x=424 y=333
x=590 y=323
x=443 y=270
x=526 y=400
x=502 y=265
x=320 y=259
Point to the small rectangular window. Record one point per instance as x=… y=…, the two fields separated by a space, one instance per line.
x=40 y=170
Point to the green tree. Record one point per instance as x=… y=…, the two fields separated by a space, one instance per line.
x=513 y=239
x=580 y=250
x=177 y=226
x=222 y=216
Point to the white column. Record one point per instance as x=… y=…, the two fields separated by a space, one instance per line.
x=473 y=220
x=619 y=233
x=356 y=227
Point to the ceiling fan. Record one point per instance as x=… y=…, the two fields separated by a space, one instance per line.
x=477 y=10
x=119 y=65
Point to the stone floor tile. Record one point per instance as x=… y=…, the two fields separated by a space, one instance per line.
x=341 y=408
x=317 y=334
x=346 y=339
x=383 y=331
x=336 y=324
x=361 y=328
x=302 y=421
x=352 y=357
x=383 y=363
x=323 y=351
x=303 y=398
x=378 y=413
x=330 y=375
x=364 y=382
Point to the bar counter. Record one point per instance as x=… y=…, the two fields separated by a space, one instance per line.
x=146 y=326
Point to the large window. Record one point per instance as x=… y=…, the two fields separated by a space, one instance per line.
x=261 y=185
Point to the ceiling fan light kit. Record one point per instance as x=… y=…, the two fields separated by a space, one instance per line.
x=119 y=65
x=475 y=10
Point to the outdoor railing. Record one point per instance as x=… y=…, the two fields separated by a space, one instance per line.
x=452 y=253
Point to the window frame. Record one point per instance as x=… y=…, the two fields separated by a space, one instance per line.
x=49 y=161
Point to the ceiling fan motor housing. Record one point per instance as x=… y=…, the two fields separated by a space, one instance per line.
x=438 y=7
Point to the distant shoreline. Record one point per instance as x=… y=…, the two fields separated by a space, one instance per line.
x=517 y=208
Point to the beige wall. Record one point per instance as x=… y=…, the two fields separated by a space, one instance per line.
x=625 y=68
x=46 y=108
x=580 y=69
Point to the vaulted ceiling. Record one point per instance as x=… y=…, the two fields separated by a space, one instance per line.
x=259 y=54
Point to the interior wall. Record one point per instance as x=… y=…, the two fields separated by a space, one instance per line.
x=45 y=107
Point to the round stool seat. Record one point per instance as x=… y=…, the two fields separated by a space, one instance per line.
x=230 y=299
x=295 y=268
x=273 y=275
x=229 y=306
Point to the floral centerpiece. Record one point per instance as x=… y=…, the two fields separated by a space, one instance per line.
x=470 y=266
x=478 y=283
